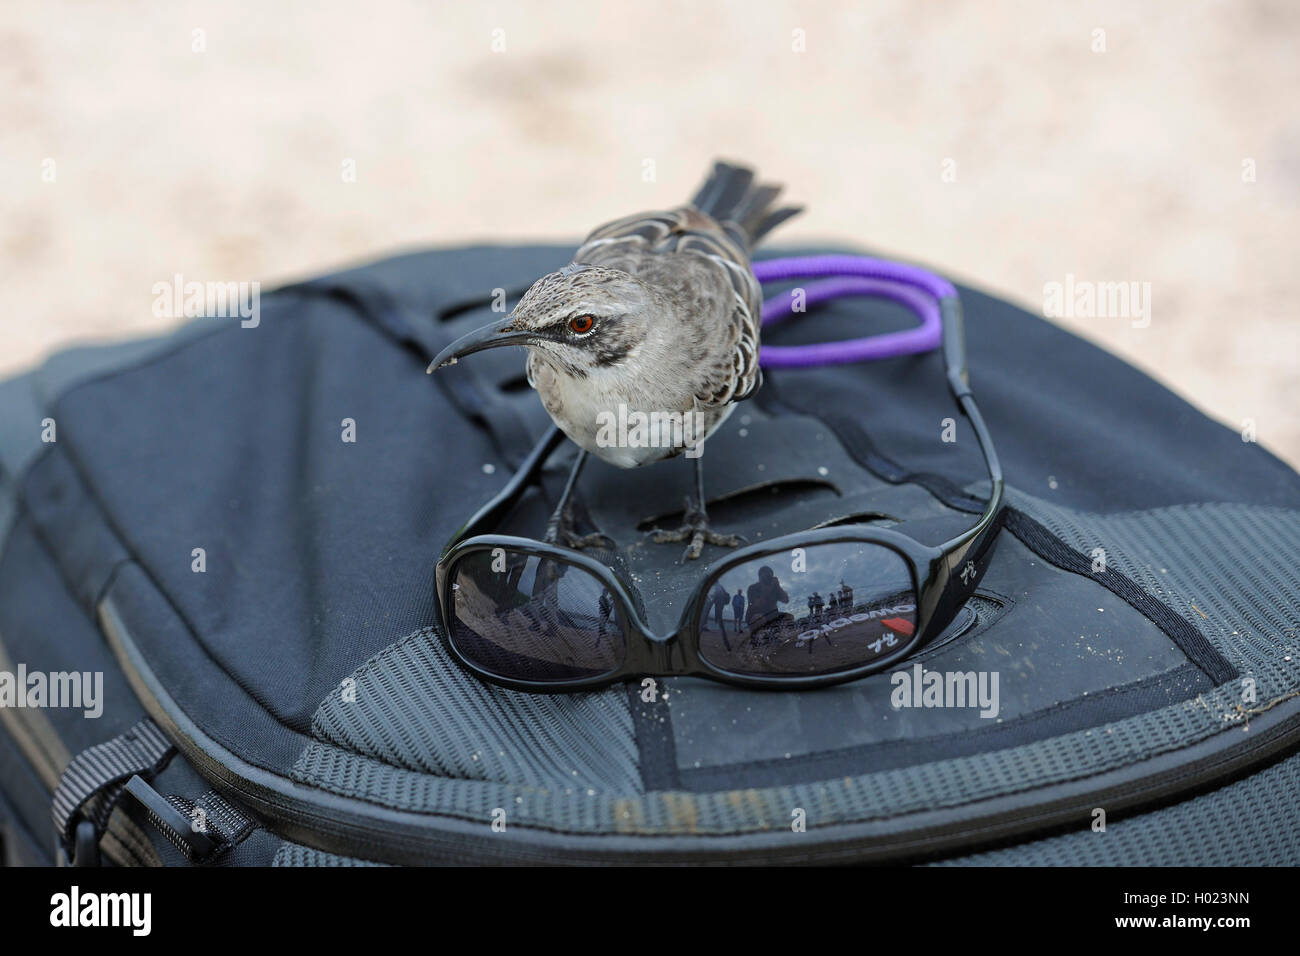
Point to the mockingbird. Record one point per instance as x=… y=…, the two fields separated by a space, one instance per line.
x=657 y=316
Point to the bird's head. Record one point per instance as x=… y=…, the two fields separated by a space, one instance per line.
x=583 y=318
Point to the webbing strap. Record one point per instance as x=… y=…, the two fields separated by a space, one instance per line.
x=93 y=780
x=222 y=817
x=211 y=824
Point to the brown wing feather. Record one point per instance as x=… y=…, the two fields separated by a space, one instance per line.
x=688 y=231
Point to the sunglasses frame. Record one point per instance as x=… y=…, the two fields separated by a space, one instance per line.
x=943 y=576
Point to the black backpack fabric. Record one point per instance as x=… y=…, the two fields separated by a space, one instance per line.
x=1140 y=609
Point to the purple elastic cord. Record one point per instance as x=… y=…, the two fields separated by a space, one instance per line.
x=907 y=285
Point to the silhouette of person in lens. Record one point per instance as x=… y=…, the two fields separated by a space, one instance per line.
x=764 y=595
x=738 y=610
x=719 y=600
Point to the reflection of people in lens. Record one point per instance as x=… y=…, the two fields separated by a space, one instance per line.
x=547 y=577
x=543 y=601
x=738 y=610
x=764 y=596
x=816 y=603
x=718 y=601
x=505 y=588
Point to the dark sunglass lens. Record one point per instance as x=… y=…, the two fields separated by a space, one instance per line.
x=528 y=618
x=825 y=608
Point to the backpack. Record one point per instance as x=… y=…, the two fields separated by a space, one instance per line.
x=234 y=528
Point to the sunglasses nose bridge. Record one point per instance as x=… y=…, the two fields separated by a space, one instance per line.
x=663 y=651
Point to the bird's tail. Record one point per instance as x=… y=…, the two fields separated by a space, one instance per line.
x=732 y=197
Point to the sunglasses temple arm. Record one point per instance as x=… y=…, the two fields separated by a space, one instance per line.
x=494 y=511
x=967 y=556
x=971 y=544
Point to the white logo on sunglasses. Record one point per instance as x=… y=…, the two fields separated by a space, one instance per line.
x=830 y=627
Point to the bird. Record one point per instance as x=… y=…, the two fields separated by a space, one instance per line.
x=657 y=314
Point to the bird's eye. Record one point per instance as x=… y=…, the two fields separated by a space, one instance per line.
x=581 y=324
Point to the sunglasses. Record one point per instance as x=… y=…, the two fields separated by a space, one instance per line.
x=805 y=610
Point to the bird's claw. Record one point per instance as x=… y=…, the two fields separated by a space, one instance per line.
x=596 y=539
x=560 y=529
x=696 y=532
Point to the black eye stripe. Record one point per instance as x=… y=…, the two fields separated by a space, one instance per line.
x=606 y=343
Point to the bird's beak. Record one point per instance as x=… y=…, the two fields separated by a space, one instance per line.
x=490 y=336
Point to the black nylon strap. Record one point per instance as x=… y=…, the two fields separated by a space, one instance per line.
x=1189 y=640
x=93 y=780
x=1031 y=533
x=214 y=817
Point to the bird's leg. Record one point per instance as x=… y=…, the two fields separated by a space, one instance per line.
x=561 y=527
x=695 y=530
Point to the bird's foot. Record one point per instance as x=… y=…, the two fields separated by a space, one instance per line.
x=596 y=539
x=562 y=529
x=695 y=531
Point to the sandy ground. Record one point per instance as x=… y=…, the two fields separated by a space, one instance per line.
x=992 y=140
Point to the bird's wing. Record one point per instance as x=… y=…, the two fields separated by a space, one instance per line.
x=688 y=231
x=684 y=229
